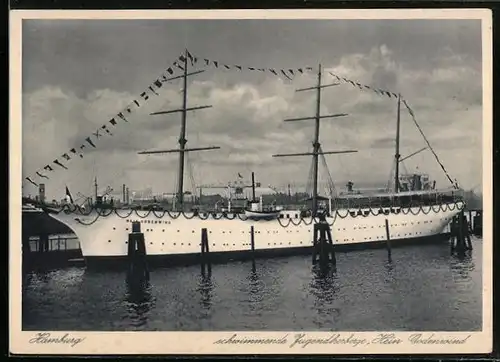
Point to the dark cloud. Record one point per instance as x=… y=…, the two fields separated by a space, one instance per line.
x=78 y=74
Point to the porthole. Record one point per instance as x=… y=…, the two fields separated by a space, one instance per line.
x=109 y=241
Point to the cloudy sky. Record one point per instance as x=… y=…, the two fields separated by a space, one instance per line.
x=78 y=74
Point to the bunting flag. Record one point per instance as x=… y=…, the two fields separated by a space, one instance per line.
x=90 y=142
x=178 y=66
x=191 y=59
x=33 y=182
x=60 y=164
x=122 y=116
x=42 y=176
x=152 y=89
x=68 y=194
x=409 y=109
x=364 y=86
x=105 y=128
x=96 y=134
x=282 y=71
x=287 y=73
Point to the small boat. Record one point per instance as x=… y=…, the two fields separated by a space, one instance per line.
x=256 y=212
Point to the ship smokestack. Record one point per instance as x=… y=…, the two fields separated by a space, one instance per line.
x=124 y=194
x=41 y=193
x=253 y=186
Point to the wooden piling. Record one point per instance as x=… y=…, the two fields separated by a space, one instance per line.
x=478 y=223
x=252 y=246
x=460 y=246
x=205 y=252
x=470 y=220
x=43 y=242
x=332 y=247
x=323 y=243
x=315 y=242
x=138 y=269
x=466 y=233
x=252 y=240
x=388 y=240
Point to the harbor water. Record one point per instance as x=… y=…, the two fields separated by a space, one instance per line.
x=422 y=288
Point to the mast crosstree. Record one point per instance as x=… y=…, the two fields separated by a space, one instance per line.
x=182 y=137
x=317 y=151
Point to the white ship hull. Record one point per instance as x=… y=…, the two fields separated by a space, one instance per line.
x=107 y=236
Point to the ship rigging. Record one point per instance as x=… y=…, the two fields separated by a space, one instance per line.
x=182 y=137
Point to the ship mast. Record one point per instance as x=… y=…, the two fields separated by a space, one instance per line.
x=316 y=144
x=396 y=154
x=95 y=188
x=182 y=138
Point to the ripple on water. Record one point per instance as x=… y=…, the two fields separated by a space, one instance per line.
x=423 y=288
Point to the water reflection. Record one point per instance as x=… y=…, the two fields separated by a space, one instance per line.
x=256 y=289
x=462 y=264
x=324 y=287
x=206 y=289
x=139 y=301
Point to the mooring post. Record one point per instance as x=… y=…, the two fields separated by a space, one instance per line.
x=43 y=242
x=252 y=241
x=460 y=246
x=466 y=233
x=315 y=242
x=205 y=252
x=137 y=254
x=252 y=246
x=26 y=246
x=388 y=240
x=331 y=246
x=323 y=243
x=470 y=220
x=453 y=233
x=478 y=223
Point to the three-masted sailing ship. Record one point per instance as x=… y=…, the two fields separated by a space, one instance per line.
x=414 y=212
